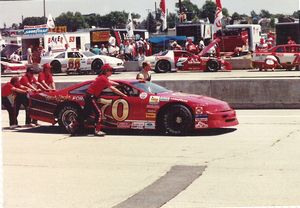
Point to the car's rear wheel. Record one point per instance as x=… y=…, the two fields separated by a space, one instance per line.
x=56 y=67
x=163 y=66
x=97 y=65
x=68 y=118
x=176 y=120
x=212 y=65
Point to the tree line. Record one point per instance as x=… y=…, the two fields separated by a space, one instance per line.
x=118 y=19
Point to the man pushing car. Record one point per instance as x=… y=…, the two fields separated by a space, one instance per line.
x=92 y=94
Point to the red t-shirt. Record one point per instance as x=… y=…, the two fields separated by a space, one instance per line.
x=100 y=83
x=25 y=80
x=6 y=89
x=45 y=77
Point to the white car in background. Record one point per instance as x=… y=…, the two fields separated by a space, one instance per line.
x=164 y=61
x=77 y=61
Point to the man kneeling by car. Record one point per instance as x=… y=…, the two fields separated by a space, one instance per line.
x=93 y=93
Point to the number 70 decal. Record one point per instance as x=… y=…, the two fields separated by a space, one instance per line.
x=115 y=105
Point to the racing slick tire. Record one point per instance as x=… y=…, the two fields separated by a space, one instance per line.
x=176 y=120
x=68 y=118
x=96 y=66
x=162 y=66
x=56 y=67
x=212 y=65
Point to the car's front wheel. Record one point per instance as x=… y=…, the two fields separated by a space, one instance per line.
x=68 y=118
x=96 y=66
x=212 y=65
x=176 y=120
x=56 y=67
x=163 y=66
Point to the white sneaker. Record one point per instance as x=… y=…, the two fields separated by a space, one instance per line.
x=13 y=127
x=30 y=125
x=100 y=133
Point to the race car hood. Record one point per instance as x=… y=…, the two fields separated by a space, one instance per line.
x=208 y=103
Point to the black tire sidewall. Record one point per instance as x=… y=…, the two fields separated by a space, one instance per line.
x=67 y=109
x=56 y=67
x=96 y=66
x=168 y=120
x=158 y=69
x=212 y=65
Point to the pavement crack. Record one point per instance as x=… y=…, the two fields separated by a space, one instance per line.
x=290 y=134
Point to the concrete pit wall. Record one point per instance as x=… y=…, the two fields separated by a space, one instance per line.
x=241 y=94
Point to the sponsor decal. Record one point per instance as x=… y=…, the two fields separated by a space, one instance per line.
x=200 y=124
x=150 y=125
x=164 y=99
x=178 y=99
x=143 y=95
x=151 y=110
x=137 y=125
x=124 y=125
x=202 y=117
x=58 y=98
x=150 y=115
x=78 y=98
x=199 y=110
x=154 y=99
x=119 y=108
x=152 y=106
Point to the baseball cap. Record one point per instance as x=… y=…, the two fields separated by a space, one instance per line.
x=47 y=66
x=106 y=67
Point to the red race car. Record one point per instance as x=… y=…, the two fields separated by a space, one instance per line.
x=202 y=61
x=283 y=56
x=148 y=106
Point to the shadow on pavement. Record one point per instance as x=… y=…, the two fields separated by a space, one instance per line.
x=132 y=132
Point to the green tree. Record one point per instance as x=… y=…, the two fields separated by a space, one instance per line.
x=189 y=8
x=34 y=21
x=114 y=19
x=265 y=14
x=236 y=16
x=225 y=12
x=172 y=19
x=209 y=10
x=151 y=23
x=296 y=14
x=253 y=14
x=73 y=21
x=91 y=19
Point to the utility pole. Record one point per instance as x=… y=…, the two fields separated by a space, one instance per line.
x=44 y=5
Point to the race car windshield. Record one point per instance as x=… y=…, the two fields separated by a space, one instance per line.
x=150 y=87
x=88 y=53
x=162 y=53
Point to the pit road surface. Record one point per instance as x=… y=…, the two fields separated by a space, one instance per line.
x=255 y=164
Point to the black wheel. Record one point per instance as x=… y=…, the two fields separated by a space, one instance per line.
x=68 y=119
x=56 y=67
x=176 y=120
x=163 y=66
x=97 y=65
x=212 y=65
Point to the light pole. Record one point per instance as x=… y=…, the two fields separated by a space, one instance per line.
x=44 y=5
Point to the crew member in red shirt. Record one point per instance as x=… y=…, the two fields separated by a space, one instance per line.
x=94 y=92
x=45 y=77
x=7 y=90
x=28 y=80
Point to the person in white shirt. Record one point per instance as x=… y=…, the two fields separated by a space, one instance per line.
x=29 y=54
x=112 y=40
x=103 y=50
x=15 y=57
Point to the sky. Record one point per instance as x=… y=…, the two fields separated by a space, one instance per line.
x=12 y=11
